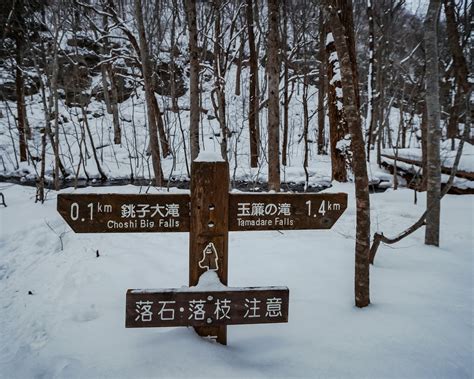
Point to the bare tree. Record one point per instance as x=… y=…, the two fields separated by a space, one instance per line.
x=337 y=121
x=17 y=26
x=218 y=93
x=340 y=19
x=253 y=88
x=110 y=97
x=273 y=73
x=459 y=67
x=152 y=126
x=286 y=96
x=194 y=78
x=322 y=85
x=380 y=237
x=433 y=174
x=370 y=119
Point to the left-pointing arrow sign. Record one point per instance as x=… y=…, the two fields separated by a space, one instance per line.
x=121 y=213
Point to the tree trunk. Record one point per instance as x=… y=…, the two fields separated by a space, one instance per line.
x=52 y=78
x=219 y=80
x=114 y=106
x=286 y=99
x=111 y=98
x=40 y=181
x=152 y=128
x=370 y=120
x=424 y=147
x=321 y=85
x=344 y=41
x=273 y=74
x=172 y=66
x=238 y=71
x=337 y=121
x=433 y=122
x=55 y=99
x=253 y=86
x=20 y=102
x=460 y=67
x=305 y=126
x=103 y=177
x=378 y=101
x=459 y=61
x=193 y=79
x=165 y=147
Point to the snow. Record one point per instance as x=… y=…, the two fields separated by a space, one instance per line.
x=344 y=144
x=209 y=281
x=329 y=39
x=209 y=156
x=460 y=183
x=72 y=325
x=336 y=78
x=333 y=57
x=419 y=325
x=447 y=159
x=131 y=157
x=447 y=155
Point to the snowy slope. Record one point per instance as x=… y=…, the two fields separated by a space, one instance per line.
x=420 y=323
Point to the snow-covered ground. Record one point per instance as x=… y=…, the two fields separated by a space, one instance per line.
x=419 y=325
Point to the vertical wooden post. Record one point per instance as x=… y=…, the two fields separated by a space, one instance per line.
x=209 y=225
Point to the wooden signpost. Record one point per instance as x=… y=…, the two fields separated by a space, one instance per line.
x=209 y=213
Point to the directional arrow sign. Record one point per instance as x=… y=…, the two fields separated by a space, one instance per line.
x=279 y=211
x=120 y=213
x=177 y=307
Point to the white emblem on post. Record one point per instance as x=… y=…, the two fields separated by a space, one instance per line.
x=209 y=258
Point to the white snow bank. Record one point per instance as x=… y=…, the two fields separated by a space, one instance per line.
x=420 y=323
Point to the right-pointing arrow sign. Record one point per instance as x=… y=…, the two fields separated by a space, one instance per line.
x=279 y=211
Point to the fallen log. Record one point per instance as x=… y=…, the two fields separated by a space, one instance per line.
x=445 y=170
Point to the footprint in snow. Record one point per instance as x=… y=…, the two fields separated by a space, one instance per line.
x=4 y=272
x=40 y=337
x=63 y=367
x=86 y=315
